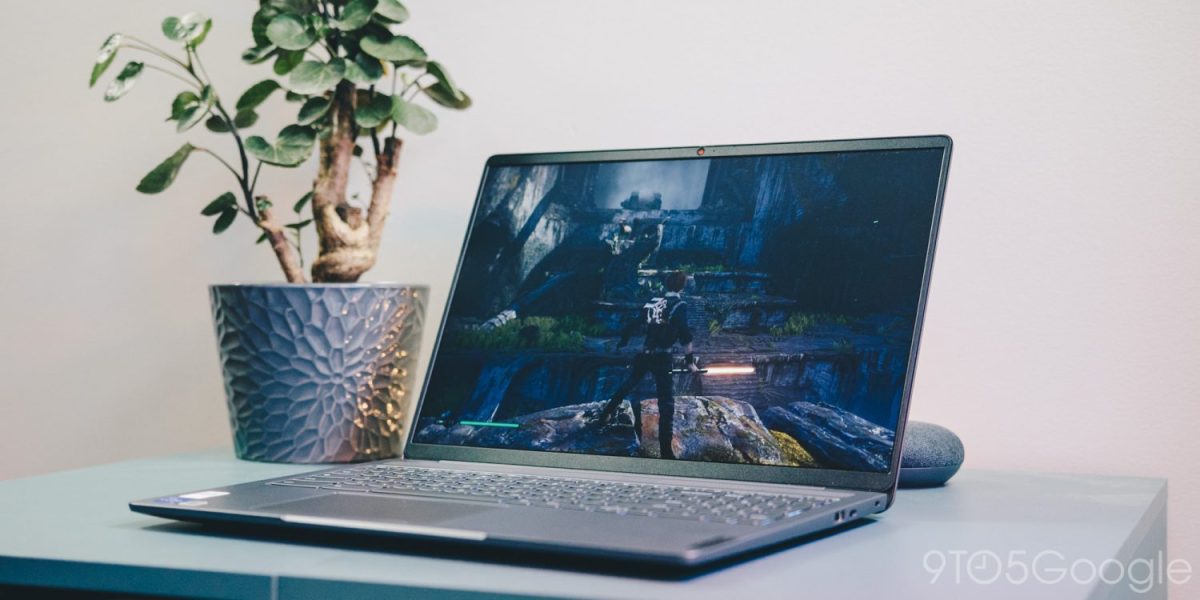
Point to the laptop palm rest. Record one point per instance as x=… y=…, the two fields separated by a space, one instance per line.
x=395 y=515
x=452 y=519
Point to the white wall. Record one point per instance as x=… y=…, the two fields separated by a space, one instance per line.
x=1062 y=332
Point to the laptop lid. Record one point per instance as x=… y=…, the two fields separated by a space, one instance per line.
x=769 y=297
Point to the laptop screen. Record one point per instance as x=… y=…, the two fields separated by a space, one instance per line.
x=741 y=309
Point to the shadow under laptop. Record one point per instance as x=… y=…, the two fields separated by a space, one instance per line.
x=361 y=541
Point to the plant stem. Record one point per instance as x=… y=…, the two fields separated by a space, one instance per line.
x=148 y=47
x=254 y=182
x=218 y=157
x=172 y=74
x=292 y=271
x=415 y=84
x=203 y=71
x=247 y=190
x=299 y=249
x=244 y=178
x=200 y=82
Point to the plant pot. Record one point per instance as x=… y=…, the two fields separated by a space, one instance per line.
x=318 y=373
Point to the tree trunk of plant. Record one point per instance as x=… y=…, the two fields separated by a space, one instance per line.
x=283 y=250
x=349 y=243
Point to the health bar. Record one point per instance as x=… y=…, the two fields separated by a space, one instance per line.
x=489 y=424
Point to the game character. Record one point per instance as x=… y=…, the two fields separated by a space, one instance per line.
x=665 y=324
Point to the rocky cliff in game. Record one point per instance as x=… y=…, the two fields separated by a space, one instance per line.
x=710 y=428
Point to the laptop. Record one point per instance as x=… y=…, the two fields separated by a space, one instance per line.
x=666 y=356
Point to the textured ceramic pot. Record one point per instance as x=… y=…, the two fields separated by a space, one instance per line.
x=318 y=373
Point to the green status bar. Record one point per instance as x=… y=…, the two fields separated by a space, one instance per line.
x=488 y=424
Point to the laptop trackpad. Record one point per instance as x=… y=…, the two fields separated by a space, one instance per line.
x=374 y=508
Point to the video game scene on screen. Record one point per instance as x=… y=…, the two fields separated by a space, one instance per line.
x=740 y=310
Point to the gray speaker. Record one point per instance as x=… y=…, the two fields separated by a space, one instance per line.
x=931 y=455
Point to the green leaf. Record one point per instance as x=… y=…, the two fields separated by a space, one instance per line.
x=299 y=206
x=124 y=81
x=224 y=221
x=314 y=108
x=198 y=27
x=193 y=112
x=191 y=118
x=223 y=203
x=105 y=57
x=291 y=96
x=392 y=10
x=164 y=174
x=293 y=147
x=286 y=60
x=398 y=49
x=217 y=124
x=258 y=25
x=355 y=14
x=262 y=238
x=257 y=94
x=444 y=91
x=414 y=118
x=173 y=28
x=289 y=32
x=320 y=26
x=245 y=118
x=182 y=102
x=189 y=109
x=258 y=54
x=293 y=6
x=191 y=29
x=200 y=33
x=241 y=120
x=459 y=101
x=375 y=112
x=363 y=70
x=298 y=226
x=312 y=77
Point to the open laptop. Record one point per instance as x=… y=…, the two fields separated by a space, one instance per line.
x=669 y=356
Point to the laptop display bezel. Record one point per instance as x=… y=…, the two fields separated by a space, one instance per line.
x=817 y=477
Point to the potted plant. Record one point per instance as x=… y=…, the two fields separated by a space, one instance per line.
x=314 y=371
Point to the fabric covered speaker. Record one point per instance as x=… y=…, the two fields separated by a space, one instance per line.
x=931 y=455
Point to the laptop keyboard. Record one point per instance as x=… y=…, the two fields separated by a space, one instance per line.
x=619 y=498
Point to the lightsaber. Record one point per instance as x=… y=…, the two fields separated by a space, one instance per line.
x=730 y=370
x=719 y=370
